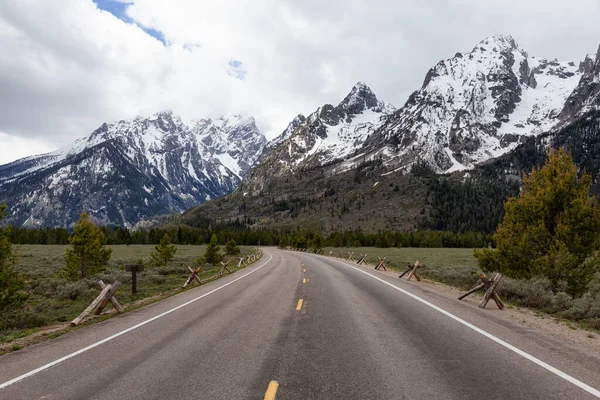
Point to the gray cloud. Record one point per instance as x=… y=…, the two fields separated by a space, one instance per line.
x=65 y=70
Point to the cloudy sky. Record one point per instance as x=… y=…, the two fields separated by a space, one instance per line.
x=66 y=66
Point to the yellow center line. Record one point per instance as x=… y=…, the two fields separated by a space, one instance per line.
x=299 y=306
x=303 y=270
x=304 y=280
x=271 y=390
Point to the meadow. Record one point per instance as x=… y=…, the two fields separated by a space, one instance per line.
x=453 y=266
x=52 y=299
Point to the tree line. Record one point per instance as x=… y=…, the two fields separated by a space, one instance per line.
x=245 y=236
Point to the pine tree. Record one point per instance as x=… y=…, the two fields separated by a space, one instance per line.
x=11 y=283
x=163 y=252
x=232 y=248
x=316 y=242
x=88 y=255
x=552 y=229
x=212 y=254
x=283 y=242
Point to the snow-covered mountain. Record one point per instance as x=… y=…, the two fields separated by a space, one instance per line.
x=476 y=106
x=129 y=170
x=586 y=95
x=328 y=135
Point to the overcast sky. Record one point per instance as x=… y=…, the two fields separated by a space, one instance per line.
x=67 y=66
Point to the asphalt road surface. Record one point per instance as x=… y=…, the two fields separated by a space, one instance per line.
x=321 y=328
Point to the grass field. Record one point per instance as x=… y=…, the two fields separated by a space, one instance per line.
x=454 y=266
x=53 y=299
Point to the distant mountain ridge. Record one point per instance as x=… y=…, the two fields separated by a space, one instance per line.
x=488 y=104
x=129 y=170
x=327 y=136
x=495 y=105
x=477 y=106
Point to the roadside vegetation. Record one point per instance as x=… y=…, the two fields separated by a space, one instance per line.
x=459 y=268
x=547 y=246
x=48 y=284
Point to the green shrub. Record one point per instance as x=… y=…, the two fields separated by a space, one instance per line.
x=231 y=248
x=112 y=275
x=11 y=282
x=212 y=254
x=461 y=276
x=155 y=277
x=75 y=290
x=23 y=319
x=552 y=229
x=164 y=252
x=172 y=270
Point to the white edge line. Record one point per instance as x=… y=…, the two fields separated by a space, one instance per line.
x=116 y=335
x=520 y=352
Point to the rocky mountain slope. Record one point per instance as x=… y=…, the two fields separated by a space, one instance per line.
x=341 y=166
x=477 y=106
x=328 y=136
x=448 y=159
x=130 y=170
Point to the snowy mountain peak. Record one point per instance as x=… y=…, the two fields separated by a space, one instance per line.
x=292 y=126
x=132 y=169
x=498 y=42
x=477 y=105
x=327 y=135
x=359 y=99
x=586 y=96
x=234 y=139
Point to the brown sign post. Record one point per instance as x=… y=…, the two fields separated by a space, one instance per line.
x=134 y=269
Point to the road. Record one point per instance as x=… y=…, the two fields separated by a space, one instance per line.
x=356 y=334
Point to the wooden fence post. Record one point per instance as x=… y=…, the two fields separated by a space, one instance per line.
x=107 y=293
x=491 y=291
x=194 y=275
x=350 y=256
x=363 y=259
x=113 y=299
x=224 y=268
x=413 y=271
x=381 y=263
x=240 y=264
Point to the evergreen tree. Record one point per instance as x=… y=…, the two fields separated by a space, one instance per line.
x=316 y=242
x=88 y=255
x=163 y=252
x=11 y=283
x=552 y=229
x=212 y=254
x=231 y=248
x=283 y=242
